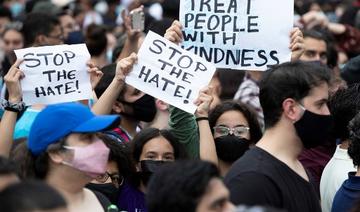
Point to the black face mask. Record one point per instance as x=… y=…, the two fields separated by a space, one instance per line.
x=149 y=167
x=144 y=109
x=314 y=129
x=230 y=148
x=107 y=189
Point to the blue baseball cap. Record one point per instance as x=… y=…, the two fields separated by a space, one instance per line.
x=59 y=120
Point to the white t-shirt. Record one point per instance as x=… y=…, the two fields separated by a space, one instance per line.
x=334 y=174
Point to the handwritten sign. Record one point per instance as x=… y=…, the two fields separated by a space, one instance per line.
x=170 y=73
x=238 y=34
x=55 y=74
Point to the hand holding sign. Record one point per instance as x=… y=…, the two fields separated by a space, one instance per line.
x=297 y=45
x=124 y=67
x=174 y=33
x=169 y=73
x=95 y=74
x=12 y=81
x=204 y=101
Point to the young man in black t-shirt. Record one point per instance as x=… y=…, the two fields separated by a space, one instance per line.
x=293 y=97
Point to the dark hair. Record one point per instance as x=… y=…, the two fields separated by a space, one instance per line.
x=349 y=16
x=16 y=26
x=180 y=186
x=255 y=130
x=230 y=81
x=354 y=147
x=288 y=80
x=106 y=79
x=34 y=166
x=316 y=34
x=5 y=13
x=95 y=39
x=37 y=24
x=146 y=135
x=119 y=153
x=343 y=106
x=30 y=196
x=160 y=27
x=7 y=166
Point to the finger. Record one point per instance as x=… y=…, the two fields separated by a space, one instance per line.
x=177 y=23
x=296 y=34
x=297 y=40
x=90 y=65
x=16 y=64
x=297 y=47
x=99 y=73
x=17 y=76
x=133 y=57
x=13 y=72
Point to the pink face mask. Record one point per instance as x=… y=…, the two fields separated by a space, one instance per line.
x=91 y=159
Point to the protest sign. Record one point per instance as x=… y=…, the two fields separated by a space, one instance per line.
x=238 y=34
x=169 y=73
x=55 y=74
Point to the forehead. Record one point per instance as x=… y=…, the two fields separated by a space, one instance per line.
x=12 y=34
x=158 y=144
x=132 y=94
x=215 y=190
x=314 y=44
x=319 y=92
x=232 y=118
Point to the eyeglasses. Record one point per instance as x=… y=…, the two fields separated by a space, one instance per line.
x=240 y=131
x=116 y=179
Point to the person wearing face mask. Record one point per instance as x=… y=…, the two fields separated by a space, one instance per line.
x=67 y=153
x=116 y=97
x=235 y=129
x=293 y=97
x=151 y=149
x=119 y=168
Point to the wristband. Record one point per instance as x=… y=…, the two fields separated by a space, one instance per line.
x=201 y=118
x=14 y=107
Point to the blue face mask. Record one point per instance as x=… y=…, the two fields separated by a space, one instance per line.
x=16 y=9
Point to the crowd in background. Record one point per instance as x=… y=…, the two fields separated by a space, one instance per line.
x=281 y=140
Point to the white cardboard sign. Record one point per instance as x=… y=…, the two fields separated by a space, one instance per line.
x=170 y=73
x=55 y=74
x=238 y=34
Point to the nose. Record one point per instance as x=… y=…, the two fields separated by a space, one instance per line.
x=229 y=207
x=317 y=57
x=326 y=110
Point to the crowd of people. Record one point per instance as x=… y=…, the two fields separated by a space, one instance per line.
x=285 y=139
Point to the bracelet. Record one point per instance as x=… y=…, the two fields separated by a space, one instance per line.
x=201 y=118
x=14 y=107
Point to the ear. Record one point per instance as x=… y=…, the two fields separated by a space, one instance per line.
x=56 y=157
x=40 y=39
x=118 y=107
x=161 y=105
x=291 y=110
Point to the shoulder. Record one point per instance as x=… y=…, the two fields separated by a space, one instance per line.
x=254 y=188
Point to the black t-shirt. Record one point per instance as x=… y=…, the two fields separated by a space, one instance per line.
x=258 y=178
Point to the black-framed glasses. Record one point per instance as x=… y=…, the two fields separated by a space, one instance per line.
x=239 y=131
x=116 y=179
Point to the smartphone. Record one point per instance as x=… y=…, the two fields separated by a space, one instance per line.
x=137 y=20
